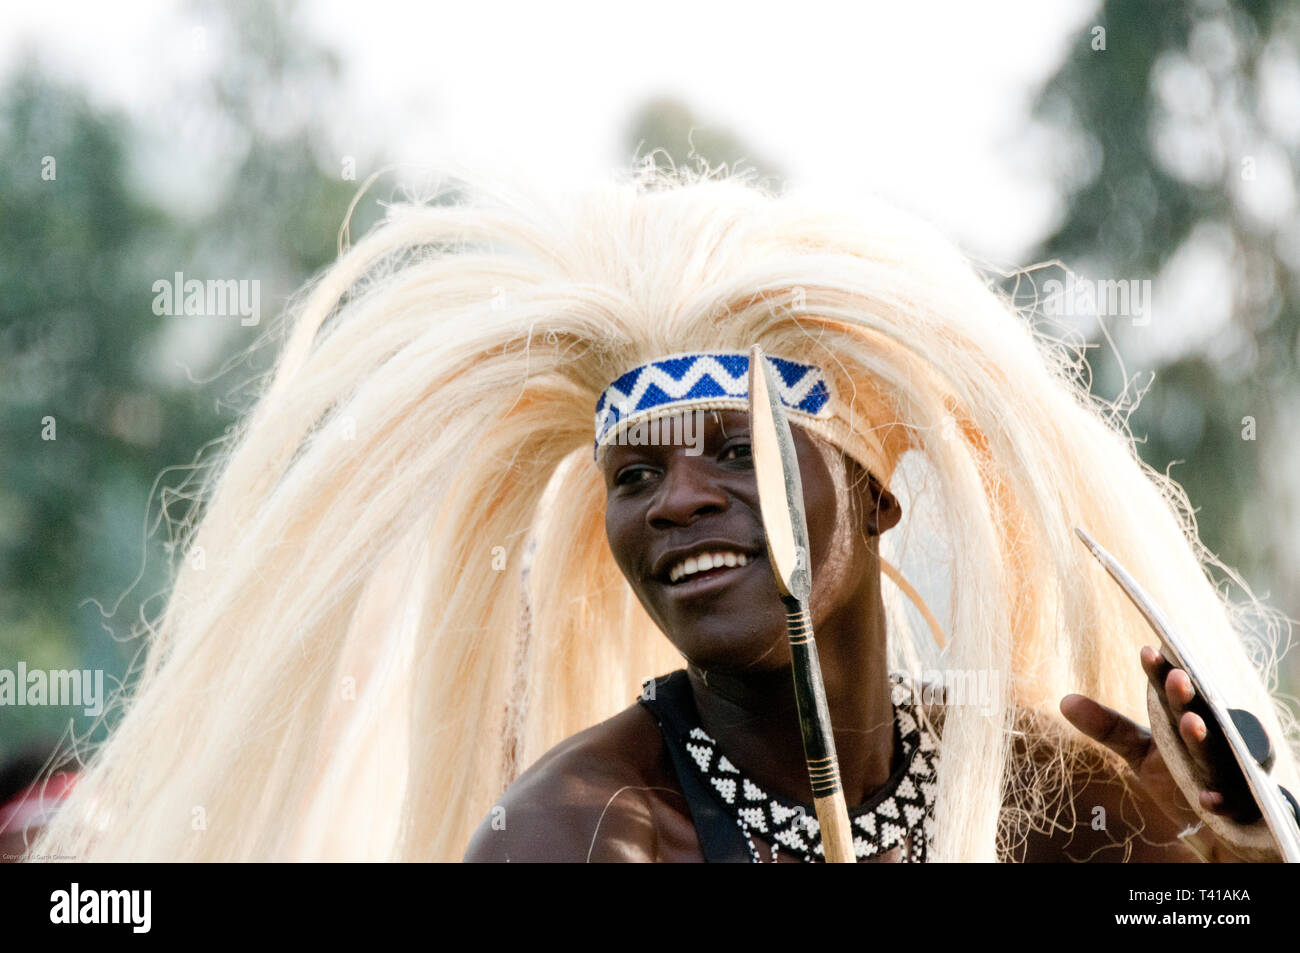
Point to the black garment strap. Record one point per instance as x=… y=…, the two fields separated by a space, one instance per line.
x=673 y=707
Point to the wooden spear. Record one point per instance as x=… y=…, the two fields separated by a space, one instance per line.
x=780 y=497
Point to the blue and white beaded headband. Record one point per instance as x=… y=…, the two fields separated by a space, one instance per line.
x=703 y=381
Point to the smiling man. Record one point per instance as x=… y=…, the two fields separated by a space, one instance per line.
x=687 y=533
x=709 y=765
x=582 y=654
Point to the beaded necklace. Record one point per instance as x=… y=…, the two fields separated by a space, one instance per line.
x=899 y=814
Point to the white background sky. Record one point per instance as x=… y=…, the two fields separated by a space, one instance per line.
x=923 y=102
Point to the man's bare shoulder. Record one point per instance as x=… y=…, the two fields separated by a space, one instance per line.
x=587 y=799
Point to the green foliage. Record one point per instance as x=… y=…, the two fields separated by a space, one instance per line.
x=81 y=433
x=1160 y=134
x=130 y=396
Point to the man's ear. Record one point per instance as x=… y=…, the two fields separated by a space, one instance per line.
x=883 y=509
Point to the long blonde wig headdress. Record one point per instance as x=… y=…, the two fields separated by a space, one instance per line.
x=359 y=663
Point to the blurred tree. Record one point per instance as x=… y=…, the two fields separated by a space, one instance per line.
x=666 y=132
x=99 y=396
x=1177 y=143
x=76 y=427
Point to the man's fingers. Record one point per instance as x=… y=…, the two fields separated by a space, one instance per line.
x=1215 y=802
x=1178 y=693
x=1156 y=667
x=1226 y=793
x=1122 y=735
x=1195 y=734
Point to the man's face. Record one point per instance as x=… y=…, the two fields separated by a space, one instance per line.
x=667 y=506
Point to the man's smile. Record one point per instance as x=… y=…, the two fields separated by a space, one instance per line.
x=705 y=562
x=700 y=556
x=710 y=571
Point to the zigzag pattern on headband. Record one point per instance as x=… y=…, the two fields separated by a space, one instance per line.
x=714 y=379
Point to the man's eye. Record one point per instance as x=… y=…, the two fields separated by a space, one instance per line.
x=633 y=475
x=736 y=451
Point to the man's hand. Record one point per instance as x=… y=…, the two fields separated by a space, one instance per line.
x=1226 y=795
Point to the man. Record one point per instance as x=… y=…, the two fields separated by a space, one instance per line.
x=615 y=793
x=428 y=426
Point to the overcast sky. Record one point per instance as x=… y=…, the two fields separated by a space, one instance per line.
x=924 y=103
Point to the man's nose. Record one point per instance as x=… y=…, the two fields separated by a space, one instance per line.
x=688 y=491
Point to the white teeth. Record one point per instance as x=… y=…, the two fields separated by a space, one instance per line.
x=706 y=561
